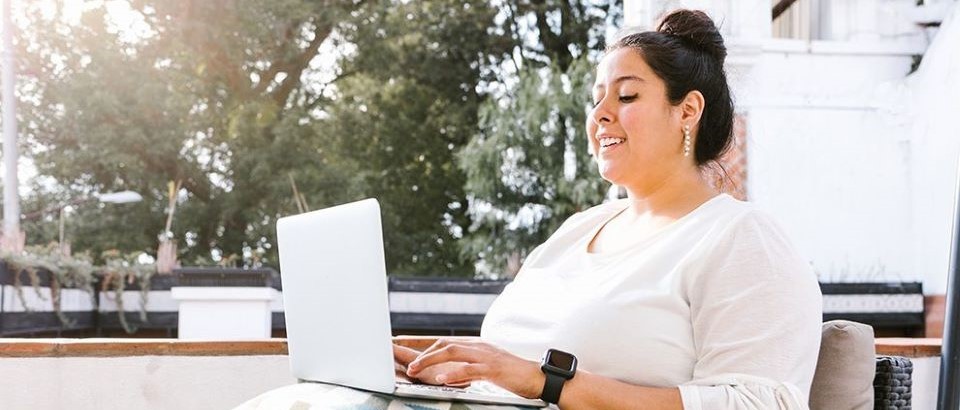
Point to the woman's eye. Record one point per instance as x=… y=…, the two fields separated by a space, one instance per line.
x=628 y=98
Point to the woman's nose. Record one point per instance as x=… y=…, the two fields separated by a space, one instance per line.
x=601 y=114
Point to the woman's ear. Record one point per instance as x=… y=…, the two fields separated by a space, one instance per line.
x=691 y=108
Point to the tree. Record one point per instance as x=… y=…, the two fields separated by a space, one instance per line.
x=235 y=98
x=528 y=168
x=211 y=93
x=409 y=105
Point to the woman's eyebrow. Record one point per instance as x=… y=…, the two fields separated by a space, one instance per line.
x=620 y=80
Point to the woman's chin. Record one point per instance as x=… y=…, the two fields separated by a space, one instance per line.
x=613 y=175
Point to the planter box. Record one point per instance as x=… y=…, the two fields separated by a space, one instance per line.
x=34 y=313
x=98 y=312
x=435 y=306
x=894 y=308
x=161 y=308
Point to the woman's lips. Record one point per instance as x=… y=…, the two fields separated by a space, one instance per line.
x=611 y=148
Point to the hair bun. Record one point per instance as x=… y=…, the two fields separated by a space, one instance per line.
x=696 y=30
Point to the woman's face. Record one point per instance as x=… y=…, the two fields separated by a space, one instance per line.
x=634 y=131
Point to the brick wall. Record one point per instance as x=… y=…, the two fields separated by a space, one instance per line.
x=730 y=176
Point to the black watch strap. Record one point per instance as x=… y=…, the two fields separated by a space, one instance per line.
x=552 y=388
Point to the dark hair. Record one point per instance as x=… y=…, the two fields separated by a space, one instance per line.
x=687 y=52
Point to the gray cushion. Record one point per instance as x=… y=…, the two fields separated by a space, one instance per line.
x=846 y=367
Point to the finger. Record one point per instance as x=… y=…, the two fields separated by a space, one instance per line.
x=464 y=374
x=428 y=375
x=444 y=342
x=451 y=353
x=404 y=355
x=437 y=345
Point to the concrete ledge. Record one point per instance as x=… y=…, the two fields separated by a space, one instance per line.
x=908 y=347
x=138 y=347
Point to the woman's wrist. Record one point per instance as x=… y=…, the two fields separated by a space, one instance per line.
x=536 y=381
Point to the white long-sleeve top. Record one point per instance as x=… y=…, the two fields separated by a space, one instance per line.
x=717 y=303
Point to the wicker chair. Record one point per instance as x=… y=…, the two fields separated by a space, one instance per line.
x=892 y=384
x=850 y=376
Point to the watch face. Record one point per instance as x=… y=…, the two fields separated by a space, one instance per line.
x=560 y=360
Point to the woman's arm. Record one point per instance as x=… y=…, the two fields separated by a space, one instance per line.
x=483 y=361
x=590 y=391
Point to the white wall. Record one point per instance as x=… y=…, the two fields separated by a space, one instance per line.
x=854 y=157
x=926 y=380
x=821 y=159
x=929 y=107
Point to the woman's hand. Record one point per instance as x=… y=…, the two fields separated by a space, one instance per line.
x=466 y=361
x=402 y=356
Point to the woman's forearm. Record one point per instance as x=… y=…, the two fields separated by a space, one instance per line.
x=590 y=391
x=483 y=361
x=423 y=342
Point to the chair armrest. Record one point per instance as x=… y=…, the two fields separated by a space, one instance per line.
x=892 y=384
x=423 y=342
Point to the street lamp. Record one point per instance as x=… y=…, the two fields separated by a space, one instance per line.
x=121 y=197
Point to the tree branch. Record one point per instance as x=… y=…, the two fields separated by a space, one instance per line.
x=267 y=77
x=295 y=67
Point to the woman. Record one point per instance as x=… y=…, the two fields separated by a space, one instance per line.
x=676 y=297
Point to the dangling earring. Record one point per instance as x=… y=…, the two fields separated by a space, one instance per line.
x=686 y=140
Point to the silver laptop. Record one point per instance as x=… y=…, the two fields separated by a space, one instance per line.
x=337 y=309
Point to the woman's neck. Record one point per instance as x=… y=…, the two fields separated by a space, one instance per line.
x=672 y=197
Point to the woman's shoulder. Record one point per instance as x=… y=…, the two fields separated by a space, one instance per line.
x=732 y=215
x=747 y=219
x=733 y=227
x=753 y=234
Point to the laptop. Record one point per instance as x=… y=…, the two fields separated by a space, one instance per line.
x=337 y=308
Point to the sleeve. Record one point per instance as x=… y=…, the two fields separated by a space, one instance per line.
x=756 y=312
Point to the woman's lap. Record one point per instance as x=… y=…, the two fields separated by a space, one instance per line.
x=312 y=396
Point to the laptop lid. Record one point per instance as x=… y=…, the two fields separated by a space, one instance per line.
x=335 y=296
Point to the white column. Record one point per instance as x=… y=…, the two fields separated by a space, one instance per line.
x=224 y=313
x=11 y=196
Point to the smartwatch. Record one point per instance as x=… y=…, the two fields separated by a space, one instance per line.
x=558 y=366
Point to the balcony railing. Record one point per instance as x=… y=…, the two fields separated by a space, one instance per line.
x=98 y=374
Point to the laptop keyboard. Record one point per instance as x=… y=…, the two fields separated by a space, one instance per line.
x=434 y=387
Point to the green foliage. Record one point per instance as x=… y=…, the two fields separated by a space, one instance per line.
x=352 y=99
x=536 y=142
x=409 y=105
x=527 y=167
x=226 y=96
x=121 y=270
x=565 y=30
x=79 y=272
x=70 y=271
